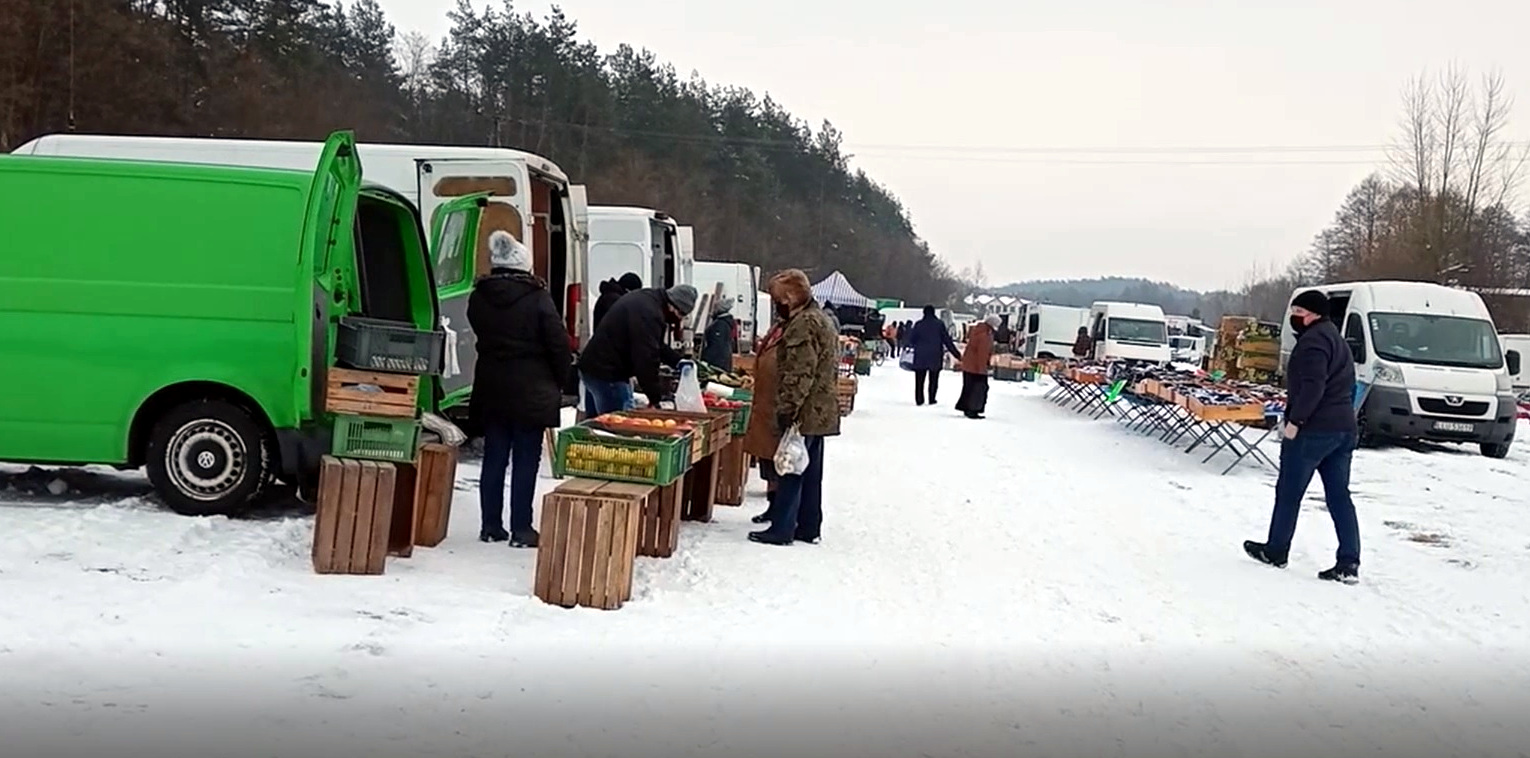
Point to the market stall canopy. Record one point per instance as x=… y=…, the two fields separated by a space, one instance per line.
x=836 y=289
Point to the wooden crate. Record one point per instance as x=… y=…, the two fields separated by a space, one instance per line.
x=701 y=489
x=732 y=473
x=589 y=543
x=659 y=533
x=343 y=393
x=435 y=483
x=354 y=516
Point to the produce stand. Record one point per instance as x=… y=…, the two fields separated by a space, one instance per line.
x=715 y=429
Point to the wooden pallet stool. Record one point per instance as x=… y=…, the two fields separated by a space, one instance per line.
x=732 y=473
x=354 y=516
x=589 y=543
x=660 y=532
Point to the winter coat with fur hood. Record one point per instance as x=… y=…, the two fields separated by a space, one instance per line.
x=807 y=360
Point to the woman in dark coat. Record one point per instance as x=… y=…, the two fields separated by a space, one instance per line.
x=718 y=346
x=930 y=340
x=523 y=362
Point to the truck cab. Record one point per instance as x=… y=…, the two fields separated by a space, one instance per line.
x=1133 y=332
x=1428 y=358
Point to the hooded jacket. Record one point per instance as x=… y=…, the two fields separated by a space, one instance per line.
x=630 y=343
x=718 y=346
x=1320 y=381
x=807 y=360
x=610 y=291
x=523 y=351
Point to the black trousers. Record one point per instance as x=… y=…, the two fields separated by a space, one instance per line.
x=922 y=379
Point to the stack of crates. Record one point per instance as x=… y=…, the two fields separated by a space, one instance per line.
x=373 y=395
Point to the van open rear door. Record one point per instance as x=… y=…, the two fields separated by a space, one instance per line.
x=454 y=229
x=331 y=213
x=580 y=287
x=685 y=269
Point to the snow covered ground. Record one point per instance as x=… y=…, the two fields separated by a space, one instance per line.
x=1036 y=583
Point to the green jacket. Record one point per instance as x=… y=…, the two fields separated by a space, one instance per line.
x=808 y=357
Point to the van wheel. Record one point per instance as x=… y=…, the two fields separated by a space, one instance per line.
x=1495 y=450
x=208 y=458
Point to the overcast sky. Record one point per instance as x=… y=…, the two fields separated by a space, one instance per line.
x=952 y=105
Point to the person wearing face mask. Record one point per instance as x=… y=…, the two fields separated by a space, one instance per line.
x=631 y=342
x=761 y=436
x=1319 y=434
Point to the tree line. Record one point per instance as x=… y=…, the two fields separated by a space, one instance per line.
x=759 y=184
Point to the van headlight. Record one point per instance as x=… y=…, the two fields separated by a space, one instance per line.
x=1386 y=373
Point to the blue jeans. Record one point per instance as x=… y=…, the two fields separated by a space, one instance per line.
x=1328 y=455
x=519 y=448
x=602 y=397
x=798 y=512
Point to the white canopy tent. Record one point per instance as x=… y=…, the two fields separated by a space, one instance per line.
x=836 y=289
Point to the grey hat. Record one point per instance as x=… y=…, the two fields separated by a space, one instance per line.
x=723 y=305
x=682 y=297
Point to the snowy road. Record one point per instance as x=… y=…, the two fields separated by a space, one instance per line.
x=1035 y=583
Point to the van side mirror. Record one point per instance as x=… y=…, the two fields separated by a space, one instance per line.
x=1357 y=348
x=1512 y=358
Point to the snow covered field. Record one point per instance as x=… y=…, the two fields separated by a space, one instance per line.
x=1036 y=583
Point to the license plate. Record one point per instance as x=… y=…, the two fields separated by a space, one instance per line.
x=1454 y=426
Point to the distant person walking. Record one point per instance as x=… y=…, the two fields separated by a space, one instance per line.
x=1083 y=346
x=1319 y=437
x=929 y=340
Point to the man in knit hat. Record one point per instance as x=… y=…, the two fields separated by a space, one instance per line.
x=1318 y=437
x=631 y=342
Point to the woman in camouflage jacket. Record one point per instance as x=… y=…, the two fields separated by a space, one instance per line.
x=807 y=360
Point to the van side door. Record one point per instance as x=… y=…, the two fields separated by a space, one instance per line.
x=454 y=232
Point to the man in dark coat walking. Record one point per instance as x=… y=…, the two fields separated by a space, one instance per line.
x=1319 y=436
x=631 y=342
x=718 y=344
x=611 y=290
x=523 y=363
x=929 y=338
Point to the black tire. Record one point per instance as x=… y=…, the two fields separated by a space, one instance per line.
x=1498 y=450
x=209 y=458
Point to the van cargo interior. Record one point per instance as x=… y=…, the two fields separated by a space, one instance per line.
x=558 y=239
x=381 y=267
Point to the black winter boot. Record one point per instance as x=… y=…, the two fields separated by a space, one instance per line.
x=1258 y=551
x=525 y=538
x=764 y=518
x=1341 y=573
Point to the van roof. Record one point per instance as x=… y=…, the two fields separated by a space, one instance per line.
x=1142 y=309
x=1414 y=297
x=50 y=143
x=156 y=168
x=630 y=210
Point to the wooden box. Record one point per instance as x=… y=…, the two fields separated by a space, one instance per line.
x=354 y=516
x=589 y=543
x=701 y=489
x=398 y=398
x=435 y=483
x=732 y=473
x=659 y=533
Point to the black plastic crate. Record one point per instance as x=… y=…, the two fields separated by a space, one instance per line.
x=371 y=344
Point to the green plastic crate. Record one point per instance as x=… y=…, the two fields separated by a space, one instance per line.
x=741 y=415
x=374 y=438
x=673 y=457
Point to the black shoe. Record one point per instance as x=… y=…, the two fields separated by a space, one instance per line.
x=809 y=540
x=1341 y=573
x=1257 y=551
x=764 y=518
x=525 y=538
x=974 y=415
x=768 y=538
x=493 y=534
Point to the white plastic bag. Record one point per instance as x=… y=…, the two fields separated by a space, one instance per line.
x=688 y=394
x=791 y=453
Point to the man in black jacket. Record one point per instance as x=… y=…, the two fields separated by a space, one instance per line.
x=1319 y=434
x=630 y=342
x=523 y=359
x=611 y=291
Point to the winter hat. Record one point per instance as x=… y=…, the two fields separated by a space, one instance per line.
x=929 y=311
x=723 y=305
x=683 y=297
x=506 y=251
x=993 y=320
x=1314 y=301
x=630 y=281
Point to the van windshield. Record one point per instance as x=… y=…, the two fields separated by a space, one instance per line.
x=1136 y=330
x=1436 y=340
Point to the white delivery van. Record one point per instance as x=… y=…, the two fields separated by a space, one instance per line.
x=643 y=241
x=686 y=268
x=1431 y=358
x=528 y=196
x=1518 y=380
x=740 y=282
x=1185 y=349
x=1134 y=332
x=1051 y=330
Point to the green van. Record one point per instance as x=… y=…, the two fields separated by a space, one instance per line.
x=182 y=317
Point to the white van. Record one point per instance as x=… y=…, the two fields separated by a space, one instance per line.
x=1051 y=330
x=529 y=196
x=1129 y=332
x=1186 y=349
x=1518 y=380
x=1432 y=359
x=639 y=240
x=740 y=282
